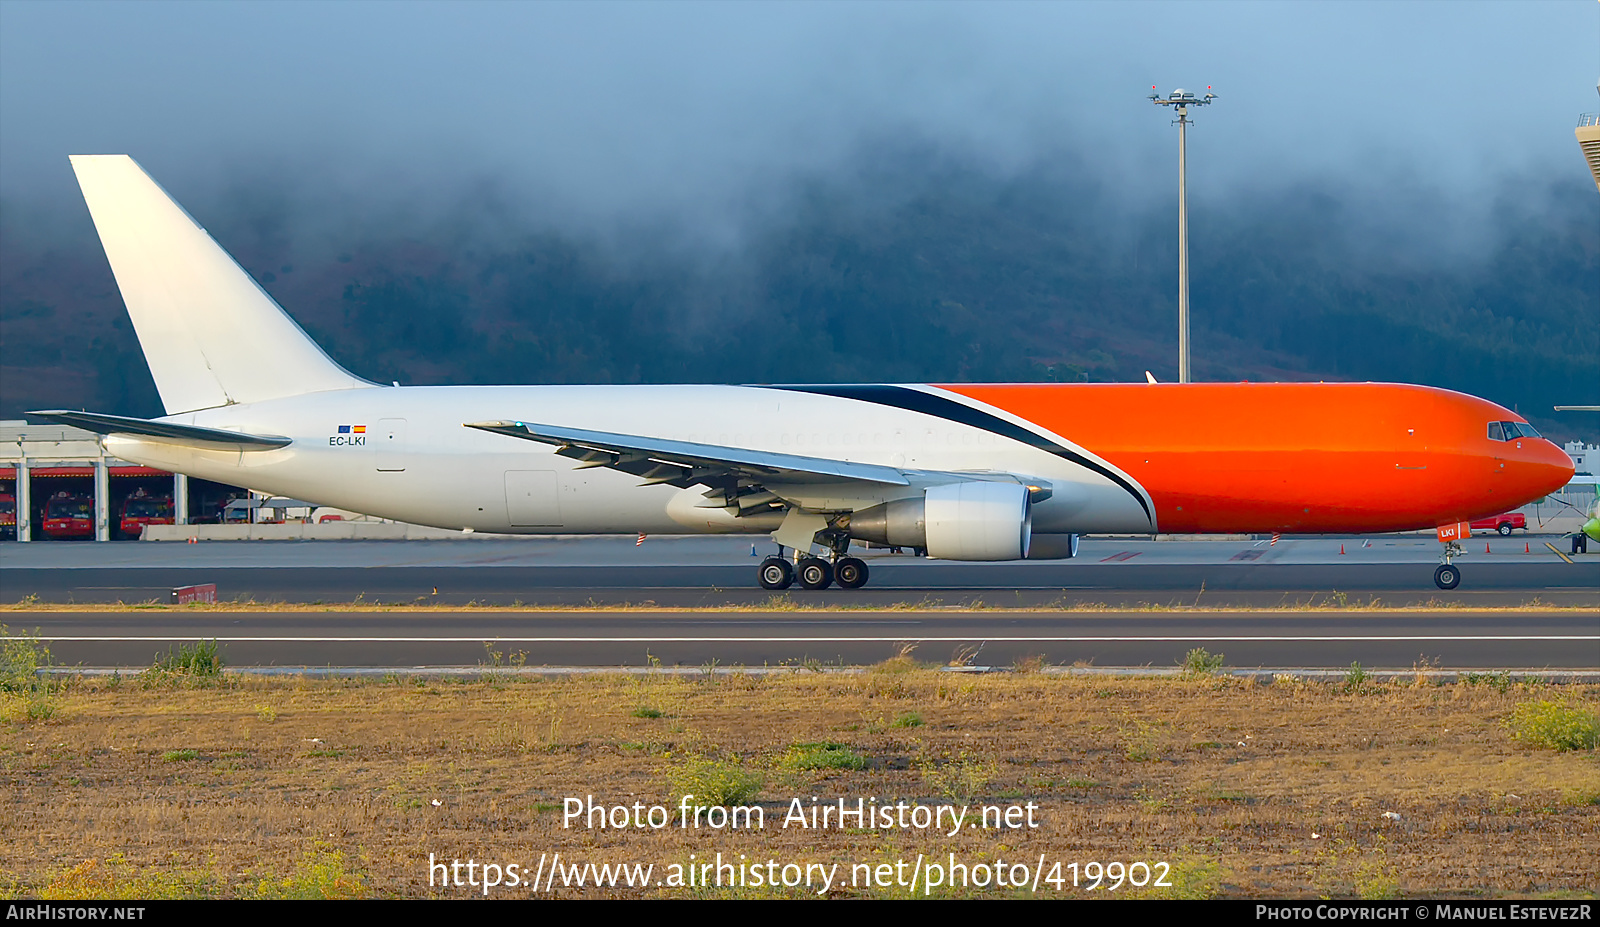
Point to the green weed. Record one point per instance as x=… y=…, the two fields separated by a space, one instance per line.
x=1192 y=878
x=1142 y=741
x=322 y=874
x=1343 y=869
x=21 y=658
x=1554 y=726
x=114 y=878
x=200 y=662
x=1500 y=682
x=960 y=777
x=1198 y=662
x=713 y=782
x=822 y=756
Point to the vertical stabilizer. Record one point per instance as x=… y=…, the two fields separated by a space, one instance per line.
x=210 y=334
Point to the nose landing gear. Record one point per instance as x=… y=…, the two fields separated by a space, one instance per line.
x=1448 y=575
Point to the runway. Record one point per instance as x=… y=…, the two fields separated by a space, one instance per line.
x=720 y=571
x=1445 y=638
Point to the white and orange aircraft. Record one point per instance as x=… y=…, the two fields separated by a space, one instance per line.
x=962 y=472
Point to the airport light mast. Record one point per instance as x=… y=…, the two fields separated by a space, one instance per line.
x=1182 y=100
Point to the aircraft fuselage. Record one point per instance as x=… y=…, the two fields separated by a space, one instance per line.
x=1119 y=458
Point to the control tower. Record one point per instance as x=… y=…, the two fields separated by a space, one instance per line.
x=1588 y=132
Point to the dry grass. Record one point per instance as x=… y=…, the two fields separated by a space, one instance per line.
x=293 y=787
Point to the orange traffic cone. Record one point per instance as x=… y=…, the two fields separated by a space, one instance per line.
x=1341 y=550
x=1526 y=549
x=1486 y=548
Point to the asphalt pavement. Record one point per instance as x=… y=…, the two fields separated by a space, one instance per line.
x=716 y=571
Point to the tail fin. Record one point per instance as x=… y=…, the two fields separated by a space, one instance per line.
x=210 y=334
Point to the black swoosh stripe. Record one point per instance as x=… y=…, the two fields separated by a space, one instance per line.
x=901 y=397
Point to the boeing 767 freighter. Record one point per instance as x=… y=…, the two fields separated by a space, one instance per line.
x=962 y=472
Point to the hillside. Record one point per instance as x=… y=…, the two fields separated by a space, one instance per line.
x=923 y=272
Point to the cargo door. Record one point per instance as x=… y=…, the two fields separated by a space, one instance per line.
x=531 y=499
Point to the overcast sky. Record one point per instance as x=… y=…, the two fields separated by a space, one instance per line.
x=616 y=110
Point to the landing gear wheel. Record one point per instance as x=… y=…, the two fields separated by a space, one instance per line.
x=775 y=573
x=851 y=573
x=1447 y=576
x=815 y=573
x=1505 y=531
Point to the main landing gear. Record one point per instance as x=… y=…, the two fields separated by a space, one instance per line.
x=776 y=573
x=812 y=572
x=1448 y=575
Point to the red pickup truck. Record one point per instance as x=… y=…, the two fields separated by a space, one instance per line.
x=1502 y=523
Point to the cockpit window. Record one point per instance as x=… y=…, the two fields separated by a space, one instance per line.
x=1510 y=431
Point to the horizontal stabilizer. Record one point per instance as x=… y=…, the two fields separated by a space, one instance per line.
x=194 y=435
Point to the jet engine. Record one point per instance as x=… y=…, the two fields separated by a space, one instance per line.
x=1053 y=547
x=977 y=520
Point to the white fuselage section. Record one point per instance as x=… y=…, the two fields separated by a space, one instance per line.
x=404 y=453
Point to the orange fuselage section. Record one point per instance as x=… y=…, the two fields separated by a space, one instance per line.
x=1296 y=457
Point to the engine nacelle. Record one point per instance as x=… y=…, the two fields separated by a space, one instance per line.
x=1053 y=547
x=977 y=520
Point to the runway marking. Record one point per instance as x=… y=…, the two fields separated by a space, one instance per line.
x=800 y=640
x=1246 y=555
x=1124 y=555
x=125 y=588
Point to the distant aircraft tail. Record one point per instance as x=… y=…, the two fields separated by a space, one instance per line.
x=211 y=335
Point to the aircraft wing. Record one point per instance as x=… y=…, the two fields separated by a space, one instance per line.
x=193 y=435
x=685 y=463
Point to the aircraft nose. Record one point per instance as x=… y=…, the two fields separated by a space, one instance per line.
x=1542 y=467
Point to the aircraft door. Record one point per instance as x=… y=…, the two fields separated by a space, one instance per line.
x=390 y=444
x=531 y=499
